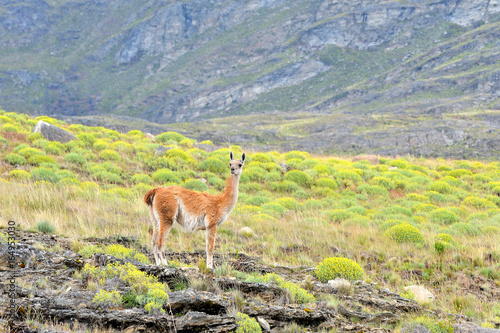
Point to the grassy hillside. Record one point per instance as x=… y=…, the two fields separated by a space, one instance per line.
x=404 y=221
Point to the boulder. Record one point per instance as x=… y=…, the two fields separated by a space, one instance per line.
x=421 y=294
x=373 y=159
x=150 y=136
x=246 y=232
x=161 y=150
x=339 y=283
x=53 y=133
x=463 y=281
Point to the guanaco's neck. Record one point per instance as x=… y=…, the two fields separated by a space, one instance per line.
x=230 y=193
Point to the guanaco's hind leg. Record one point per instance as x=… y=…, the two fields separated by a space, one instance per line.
x=210 y=240
x=165 y=226
x=163 y=214
x=155 y=220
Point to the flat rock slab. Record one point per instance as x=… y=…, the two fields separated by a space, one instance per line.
x=53 y=133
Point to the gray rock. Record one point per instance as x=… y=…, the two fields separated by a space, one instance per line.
x=264 y=324
x=53 y=133
x=161 y=150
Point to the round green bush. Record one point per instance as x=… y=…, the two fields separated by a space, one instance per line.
x=178 y=153
x=459 y=173
x=165 y=176
x=195 y=185
x=339 y=215
x=273 y=209
x=327 y=182
x=451 y=180
x=348 y=175
x=15 y=159
x=440 y=187
x=19 y=175
x=298 y=177
x=358 y=210
x=111 y=155
x=394 y=209
x=285 y=186
x=296 y=155
x=400 y=164
x=445 y=238
x=39 y=159
x=29 y=152
x=54 y=148
x=307 y=164
x=372 y=190
x=214 y=165
x=255 y=173
x=417 y=197
x=479 y=203
x=257 y=200
x=108 y=177
x=335 y=267
x=384 y=182
x=405 y=233
x=169 y=137
x=261 y=157
x=141 y=178
x=288 y=203
x=444 y=216
x=465 y=229
x=45 y=174
x=46 y=227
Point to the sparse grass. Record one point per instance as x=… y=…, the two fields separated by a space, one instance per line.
x=331 y=205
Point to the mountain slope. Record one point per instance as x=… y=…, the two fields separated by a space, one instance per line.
x=171 y=61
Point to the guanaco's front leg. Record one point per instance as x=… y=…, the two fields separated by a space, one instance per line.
x=210 y=239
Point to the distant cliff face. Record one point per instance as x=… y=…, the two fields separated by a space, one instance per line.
x=178 y=61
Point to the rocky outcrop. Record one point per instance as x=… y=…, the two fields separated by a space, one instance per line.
x=48 y=284
x=53 y=133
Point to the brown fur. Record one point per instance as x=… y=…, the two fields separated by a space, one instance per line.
x=194 y=210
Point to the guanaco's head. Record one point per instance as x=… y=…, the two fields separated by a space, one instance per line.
x=236 y=165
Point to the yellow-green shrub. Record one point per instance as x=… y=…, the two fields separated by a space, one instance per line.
x=195 y=185
x=15 y=159
x=298 y=177
x=165 y=176
x=141 y=178
x=110 y=155
x=246 y=324
x=288 y=203
x=214 y=165
x=331 y=268
x=19 y=175
x=405 y=233
x=327 y=182
x=479 y=203
x=440 y=187
x=108 y=298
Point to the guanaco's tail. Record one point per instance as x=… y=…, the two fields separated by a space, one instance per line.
x=148 y=197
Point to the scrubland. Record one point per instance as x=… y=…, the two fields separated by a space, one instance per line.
x=404 y=221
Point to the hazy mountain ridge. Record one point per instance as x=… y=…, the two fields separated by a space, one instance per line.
x=168 y=61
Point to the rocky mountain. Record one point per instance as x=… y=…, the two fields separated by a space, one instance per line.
x=185 y=61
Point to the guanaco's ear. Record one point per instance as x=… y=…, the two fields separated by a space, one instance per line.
x=231 y=155
x=243 y=158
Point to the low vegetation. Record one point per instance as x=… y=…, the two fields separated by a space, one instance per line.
x=404 y=221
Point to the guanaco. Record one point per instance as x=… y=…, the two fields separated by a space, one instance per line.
x=193 y=210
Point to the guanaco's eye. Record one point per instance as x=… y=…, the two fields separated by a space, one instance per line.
x=241 y=165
